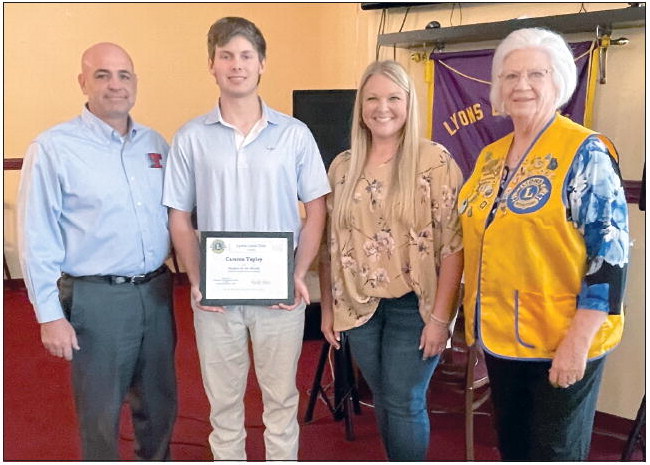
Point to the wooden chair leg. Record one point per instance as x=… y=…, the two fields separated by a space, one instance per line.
x=469 y=403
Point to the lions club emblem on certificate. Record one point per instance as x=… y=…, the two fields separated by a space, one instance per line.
x=218 y=246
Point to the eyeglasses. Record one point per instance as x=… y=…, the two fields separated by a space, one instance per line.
x=533 y=76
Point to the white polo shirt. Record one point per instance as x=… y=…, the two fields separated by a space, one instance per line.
x=253 y=185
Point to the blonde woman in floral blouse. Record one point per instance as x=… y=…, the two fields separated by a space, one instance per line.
x=390 y=280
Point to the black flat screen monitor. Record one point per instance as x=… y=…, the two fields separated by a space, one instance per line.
x=328 y=114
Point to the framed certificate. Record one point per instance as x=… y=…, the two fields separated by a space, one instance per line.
x=246 y=268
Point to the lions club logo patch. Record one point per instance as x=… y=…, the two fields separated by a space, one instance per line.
x=218 y=246
x=530 y=195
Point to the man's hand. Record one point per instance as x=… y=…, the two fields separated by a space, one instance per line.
x=59 y=338
x=196 y=302
x=300 y=295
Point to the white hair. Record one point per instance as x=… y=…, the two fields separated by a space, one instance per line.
x=564 y=68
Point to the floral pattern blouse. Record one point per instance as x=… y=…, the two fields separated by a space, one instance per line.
x=597 y=207
x=375 y=258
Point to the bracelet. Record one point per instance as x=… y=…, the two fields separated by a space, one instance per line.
x=438 y=321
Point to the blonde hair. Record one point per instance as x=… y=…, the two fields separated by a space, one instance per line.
x=400 y=202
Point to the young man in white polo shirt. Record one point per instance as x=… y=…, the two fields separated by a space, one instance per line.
x=244 y=167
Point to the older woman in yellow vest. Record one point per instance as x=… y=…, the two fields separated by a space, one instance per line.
x=545 y=232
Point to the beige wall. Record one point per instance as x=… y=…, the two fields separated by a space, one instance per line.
x=310 y=46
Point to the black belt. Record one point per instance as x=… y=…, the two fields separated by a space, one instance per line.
x=113 y=279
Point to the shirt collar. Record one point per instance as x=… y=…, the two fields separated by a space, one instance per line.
x=104 y=130
x=215 y=115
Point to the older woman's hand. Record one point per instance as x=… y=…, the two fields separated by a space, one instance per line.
x=570 y=358
x=569 y=363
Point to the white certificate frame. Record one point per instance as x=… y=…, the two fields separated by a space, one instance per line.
x=246 y=268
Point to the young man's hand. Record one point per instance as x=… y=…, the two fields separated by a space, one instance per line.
x=196 y=302
x=300 y=295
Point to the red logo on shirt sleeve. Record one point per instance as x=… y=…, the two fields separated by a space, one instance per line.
x=155 y=158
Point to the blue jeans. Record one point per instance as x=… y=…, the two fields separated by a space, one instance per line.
x=386 y=350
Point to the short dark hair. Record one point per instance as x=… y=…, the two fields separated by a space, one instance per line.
x=226 y=28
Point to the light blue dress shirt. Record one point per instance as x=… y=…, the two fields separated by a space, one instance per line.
x=90 y=203
x=255 y=187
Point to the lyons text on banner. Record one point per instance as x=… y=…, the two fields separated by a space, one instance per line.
x=462 y=117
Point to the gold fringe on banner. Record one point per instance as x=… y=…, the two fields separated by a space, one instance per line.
x=463 y=74
x=429 y=74
x=591 y=84
x=592 y=74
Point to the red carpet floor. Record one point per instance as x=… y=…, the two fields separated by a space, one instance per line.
x=40 y=425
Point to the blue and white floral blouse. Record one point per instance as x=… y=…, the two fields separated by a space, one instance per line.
x=596 y=205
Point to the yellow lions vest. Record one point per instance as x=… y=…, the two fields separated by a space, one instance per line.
x=524 y=271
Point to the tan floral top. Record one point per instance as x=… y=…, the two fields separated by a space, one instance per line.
x=374 y=259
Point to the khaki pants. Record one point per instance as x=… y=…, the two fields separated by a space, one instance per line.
x=222 y=341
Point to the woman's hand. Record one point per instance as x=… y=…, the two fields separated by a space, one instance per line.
x=569 y=363
x=327 y=327
x=570 y=360
x=434 y=339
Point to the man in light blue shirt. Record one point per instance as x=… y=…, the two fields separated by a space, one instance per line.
x=244 y=167
x=93 y=239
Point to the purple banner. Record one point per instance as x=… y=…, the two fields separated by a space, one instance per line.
x=463 y=120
